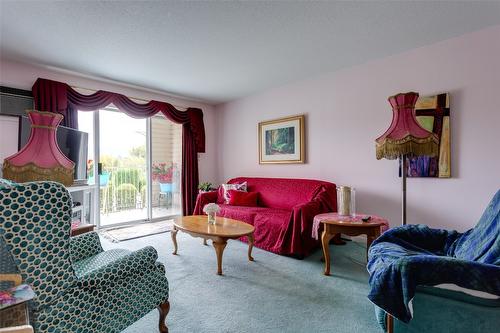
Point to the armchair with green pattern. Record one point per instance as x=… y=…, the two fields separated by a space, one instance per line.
x=80 y=288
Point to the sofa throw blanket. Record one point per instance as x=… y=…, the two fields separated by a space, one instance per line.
x=405 y=257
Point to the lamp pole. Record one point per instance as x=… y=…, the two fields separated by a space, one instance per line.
x=403 y=188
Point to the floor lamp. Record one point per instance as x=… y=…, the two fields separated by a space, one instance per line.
x=405 y=137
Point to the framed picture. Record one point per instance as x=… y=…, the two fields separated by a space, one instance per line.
x=433 y=114
x=282 y=140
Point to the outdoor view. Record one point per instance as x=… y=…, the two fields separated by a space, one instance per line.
x=124 y=178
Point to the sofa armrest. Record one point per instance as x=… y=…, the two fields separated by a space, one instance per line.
x=306 y=211
x=140 y=260
x=84 y=246
x=202 y=200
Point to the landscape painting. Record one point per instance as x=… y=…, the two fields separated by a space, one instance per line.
x=282 y=140
x=433 y=114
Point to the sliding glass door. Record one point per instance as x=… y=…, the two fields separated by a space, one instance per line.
x=138 y=163
x=123 y=176
x=166 y=159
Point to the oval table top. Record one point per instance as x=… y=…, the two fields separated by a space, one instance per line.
x=352 y=221
x=223 y=227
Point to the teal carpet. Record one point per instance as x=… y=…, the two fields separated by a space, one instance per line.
x=271 y=294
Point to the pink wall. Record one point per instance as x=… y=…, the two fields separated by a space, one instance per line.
x=22 y=76
x=346 y=110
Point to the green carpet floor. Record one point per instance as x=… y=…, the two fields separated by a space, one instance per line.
x=271 y=294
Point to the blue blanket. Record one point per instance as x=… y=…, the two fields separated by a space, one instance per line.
x=408 y=256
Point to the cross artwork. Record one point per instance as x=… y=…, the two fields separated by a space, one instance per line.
x=433 y=114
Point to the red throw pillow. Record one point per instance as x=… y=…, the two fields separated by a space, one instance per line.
x=240 y=198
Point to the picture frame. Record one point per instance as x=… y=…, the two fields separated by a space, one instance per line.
x=282 y=140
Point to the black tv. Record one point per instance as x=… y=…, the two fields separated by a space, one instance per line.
x=73 y=144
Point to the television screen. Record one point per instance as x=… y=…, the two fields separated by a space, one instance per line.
x=73 y=144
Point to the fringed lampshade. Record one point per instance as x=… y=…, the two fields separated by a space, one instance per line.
x=405 y=137
x=40 y=158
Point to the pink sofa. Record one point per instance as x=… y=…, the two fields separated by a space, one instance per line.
x=284 y=217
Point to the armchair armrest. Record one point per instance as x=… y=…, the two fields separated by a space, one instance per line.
x=84 y=246
x=140 y=260
x=202 y=200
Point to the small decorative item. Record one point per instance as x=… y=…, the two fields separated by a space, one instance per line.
x=40 y=158
x=282 y=140
x=346 y=201
x=205 y=187
x=211 y=210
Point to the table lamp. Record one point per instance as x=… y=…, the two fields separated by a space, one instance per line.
x=405 y=137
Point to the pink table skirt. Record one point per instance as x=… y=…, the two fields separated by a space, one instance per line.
x=336 y=217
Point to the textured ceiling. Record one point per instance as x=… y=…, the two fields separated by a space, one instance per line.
x=219 y=51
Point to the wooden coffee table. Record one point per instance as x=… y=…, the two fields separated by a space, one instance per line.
x=219 y=233
x=334 y=224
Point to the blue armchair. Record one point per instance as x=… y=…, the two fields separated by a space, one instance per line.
x=405 y=264
x=79 y=287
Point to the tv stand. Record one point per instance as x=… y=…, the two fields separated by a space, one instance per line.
x=86 y=196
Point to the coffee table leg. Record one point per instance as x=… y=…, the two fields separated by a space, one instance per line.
x=325 y=240
x=250 y=246
x=174 y=239
x=219 y=246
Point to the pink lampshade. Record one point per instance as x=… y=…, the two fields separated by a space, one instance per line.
x=405 y=135
x=40 y=158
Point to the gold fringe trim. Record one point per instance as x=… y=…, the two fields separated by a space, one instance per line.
x=393 y=149
x=45 y=113
x=31 y=172
x=404 y=106
x=43 y=126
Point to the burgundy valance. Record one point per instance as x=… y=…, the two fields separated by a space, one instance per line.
x=59 y=97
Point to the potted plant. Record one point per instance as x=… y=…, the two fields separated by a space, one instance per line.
x=164 y=173
x=205 y=187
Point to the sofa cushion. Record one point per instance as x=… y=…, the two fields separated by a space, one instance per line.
x=284 y=193
x=223 y=191
x=270 y=224
x=240 y=198
x=245 y=214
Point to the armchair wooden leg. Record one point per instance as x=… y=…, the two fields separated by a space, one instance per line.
x=390 y=323
x=163 y=308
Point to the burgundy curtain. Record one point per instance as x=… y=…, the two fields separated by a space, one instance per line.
x=59 y=97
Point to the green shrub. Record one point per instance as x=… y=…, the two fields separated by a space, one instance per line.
x=132 y=176
x=126 y=195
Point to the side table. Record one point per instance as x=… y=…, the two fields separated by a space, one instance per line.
x=334 y=224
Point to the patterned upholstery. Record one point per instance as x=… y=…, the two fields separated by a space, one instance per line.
x=79 y=287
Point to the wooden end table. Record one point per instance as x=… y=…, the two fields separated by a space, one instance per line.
x=219 y=233
x=81 y=229
x=15 y=318
x=334 y=224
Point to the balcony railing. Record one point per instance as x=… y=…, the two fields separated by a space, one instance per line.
x=125 y=188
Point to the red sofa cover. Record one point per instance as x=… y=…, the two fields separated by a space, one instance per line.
x=284 y=218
